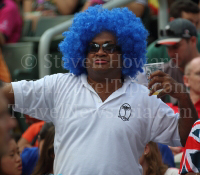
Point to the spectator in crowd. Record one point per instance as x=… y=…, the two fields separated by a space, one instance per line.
x=51 y=7
x=10 y=22
x=151 y=162
x=185 y=9
x=97 y=106
x=10 y=31
x=45 y=162
x=180 y=38
x=167 y=155
x=30 y=137
x=6 y=123
x=137 y=7
x=190 y=163
x=30 y=155
x=191 y=80
x=30 y=120
x=11 y=163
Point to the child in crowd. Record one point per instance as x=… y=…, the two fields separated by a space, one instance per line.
x=11 y=163
x=151 y=162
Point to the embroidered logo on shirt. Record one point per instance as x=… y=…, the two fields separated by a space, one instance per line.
x=125 y=112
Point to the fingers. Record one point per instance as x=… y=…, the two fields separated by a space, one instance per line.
x=155 y=88
x=155 y=79
x=157 y=73
x=161 y=94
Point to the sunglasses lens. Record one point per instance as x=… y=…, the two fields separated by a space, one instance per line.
x=109 y=48
x=93 y=48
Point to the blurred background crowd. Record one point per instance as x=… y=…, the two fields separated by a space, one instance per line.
x=22 y=26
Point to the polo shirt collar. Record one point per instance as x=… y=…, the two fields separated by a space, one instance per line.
x=120 y=91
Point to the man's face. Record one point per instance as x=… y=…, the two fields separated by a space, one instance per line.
x=6 y=124
x=193 y=17
x=194 y=76
x=180 y=53
x=102 y=61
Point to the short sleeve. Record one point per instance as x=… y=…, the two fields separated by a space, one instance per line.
x=164 y=127
x=36 y=98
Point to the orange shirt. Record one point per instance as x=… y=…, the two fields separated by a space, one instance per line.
x=32 y=131
x=4 y=72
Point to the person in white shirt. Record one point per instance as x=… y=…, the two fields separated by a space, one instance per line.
x=102 y=118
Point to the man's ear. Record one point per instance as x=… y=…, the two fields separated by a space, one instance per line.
x=193 y=40
x=186 y=80
x=146 y=149
x=171 y=19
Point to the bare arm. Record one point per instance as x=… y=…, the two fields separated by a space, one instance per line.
x=136 y=8
x=188 y=114
x=8 y=92
x=27 y=5
x=66 y=7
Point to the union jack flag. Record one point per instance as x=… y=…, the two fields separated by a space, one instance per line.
x=191 y=156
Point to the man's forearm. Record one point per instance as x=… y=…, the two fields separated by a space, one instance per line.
x=188 y=116
x=8 y=92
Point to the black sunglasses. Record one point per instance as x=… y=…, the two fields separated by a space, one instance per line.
x=107 y=48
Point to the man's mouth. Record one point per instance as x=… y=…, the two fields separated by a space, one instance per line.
x=101 y=61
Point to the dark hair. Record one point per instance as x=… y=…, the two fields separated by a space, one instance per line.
x=44 y=130
x=180 y=6
x=45 y=162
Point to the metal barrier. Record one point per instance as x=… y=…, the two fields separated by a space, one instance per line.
x=162 y=16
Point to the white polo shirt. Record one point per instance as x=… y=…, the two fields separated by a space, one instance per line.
x=94 y=137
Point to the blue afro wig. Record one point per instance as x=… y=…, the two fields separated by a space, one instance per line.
x=128 y=29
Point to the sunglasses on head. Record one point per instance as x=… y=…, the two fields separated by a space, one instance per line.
x=107 y=48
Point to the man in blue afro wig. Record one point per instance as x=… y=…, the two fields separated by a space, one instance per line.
x=103 y=119
x=130 y=36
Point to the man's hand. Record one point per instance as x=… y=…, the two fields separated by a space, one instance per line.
x=188 y=114
x=167 y=83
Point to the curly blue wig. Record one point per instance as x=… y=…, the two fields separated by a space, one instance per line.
x=128 y=29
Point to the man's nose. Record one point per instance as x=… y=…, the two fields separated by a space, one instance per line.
x=101 y=52
x=171 y=52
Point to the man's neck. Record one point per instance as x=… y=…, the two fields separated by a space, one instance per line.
x=194 y=97
x=194 y=54
x=105 y=86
